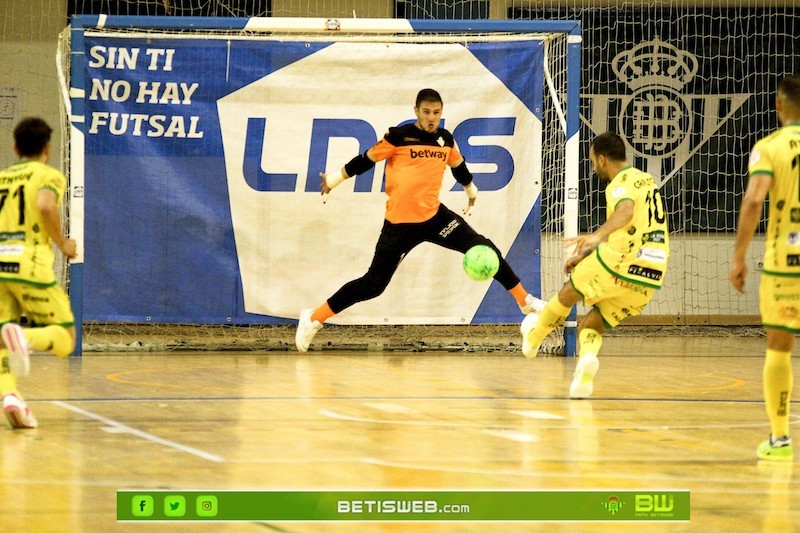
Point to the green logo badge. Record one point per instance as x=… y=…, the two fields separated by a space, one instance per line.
x=174 y=505
x=142 y=505
x=207 y=505
x=613 y=505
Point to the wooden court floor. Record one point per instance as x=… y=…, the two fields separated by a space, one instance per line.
x=667 y=413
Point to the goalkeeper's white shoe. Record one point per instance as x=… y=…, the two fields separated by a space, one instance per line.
x=306 y=329
x=532 y=305
x=528 y=349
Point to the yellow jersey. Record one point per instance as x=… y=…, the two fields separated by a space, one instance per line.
x=26 y=255
x=638 y=252
x=778 y=156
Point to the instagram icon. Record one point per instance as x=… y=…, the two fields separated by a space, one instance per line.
x=207 y=505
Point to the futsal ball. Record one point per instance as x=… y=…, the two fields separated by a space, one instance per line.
x=481 y=262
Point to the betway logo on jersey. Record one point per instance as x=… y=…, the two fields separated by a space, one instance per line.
x=282 y=130
x=429 y=154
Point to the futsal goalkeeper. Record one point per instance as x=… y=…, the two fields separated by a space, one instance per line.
x=416 y=155
x=616 y=269
x=30 y=220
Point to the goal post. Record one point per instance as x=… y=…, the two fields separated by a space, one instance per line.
x=195 y=143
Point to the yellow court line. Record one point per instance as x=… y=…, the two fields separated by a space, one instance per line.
x=115 y=377
x=734 y=383
x=681 y=442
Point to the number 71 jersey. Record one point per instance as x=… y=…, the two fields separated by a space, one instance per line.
x=25 y=250
x=638 y=252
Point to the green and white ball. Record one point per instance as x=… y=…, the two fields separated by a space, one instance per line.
x=481 y=262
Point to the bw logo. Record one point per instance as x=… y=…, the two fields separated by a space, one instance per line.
x=662 y=125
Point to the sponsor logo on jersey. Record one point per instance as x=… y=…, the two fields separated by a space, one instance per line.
x=453 y=224
x=11 y=249
x=433 y=154
x=654 y=236
x=644 y=272
x=652 y=254
x=12 y=236
x=12 y=268
x=32 y=298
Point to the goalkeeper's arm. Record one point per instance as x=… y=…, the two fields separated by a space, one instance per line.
x=462 y=175
x=358 y=165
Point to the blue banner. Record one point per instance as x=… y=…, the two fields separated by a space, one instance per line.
x=201 y=178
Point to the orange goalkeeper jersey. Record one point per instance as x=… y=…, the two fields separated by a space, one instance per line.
x=416 y=161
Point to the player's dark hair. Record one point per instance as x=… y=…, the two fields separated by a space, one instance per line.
x=789 y=87
x=31 y=136
x=610 y=145
x=428 y=95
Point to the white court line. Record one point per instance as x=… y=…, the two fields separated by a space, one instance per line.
x=390 y=408
x=423 y=423
x=539 y=415
x=516 y=436
x=122 y=428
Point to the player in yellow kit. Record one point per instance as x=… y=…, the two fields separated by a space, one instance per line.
x=416 y=157
x=775 y=171
x=30 y=221
x=616 y=269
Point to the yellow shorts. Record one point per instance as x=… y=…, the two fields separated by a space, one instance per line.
x=779 y=298
x=614 y=299
x=42 y=306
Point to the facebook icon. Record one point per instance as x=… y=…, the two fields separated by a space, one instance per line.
x=142 y=505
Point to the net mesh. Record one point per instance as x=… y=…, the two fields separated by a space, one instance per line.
x=717 y=65
x=742 y=51
x=29 y=85
x=105 y=337
x=414 y=338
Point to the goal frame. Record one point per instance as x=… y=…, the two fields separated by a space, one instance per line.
x=75 y=93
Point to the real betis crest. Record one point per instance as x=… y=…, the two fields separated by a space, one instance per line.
x=660 y=123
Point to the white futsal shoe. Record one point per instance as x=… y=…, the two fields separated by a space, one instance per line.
x=528 y=323
x=585 y=371
x=17 y=345
x=532 y=304
x=306 y=329
x=18 y=413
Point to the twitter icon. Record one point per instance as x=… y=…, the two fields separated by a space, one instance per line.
x=174 y=505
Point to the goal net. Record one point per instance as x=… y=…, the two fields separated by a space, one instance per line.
x=690 y=87
x=736 y=53
x=195 y=147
